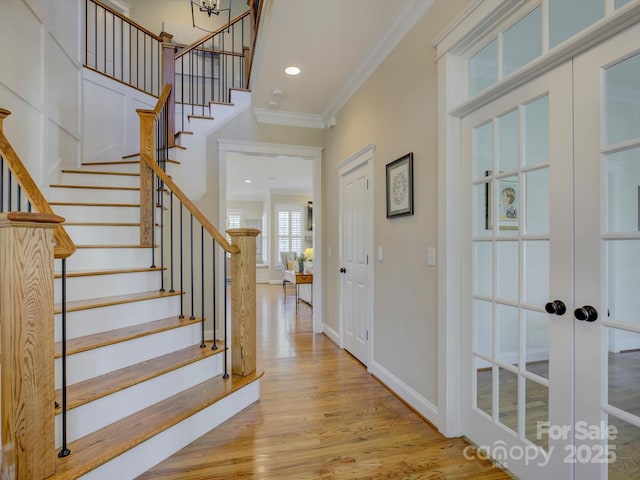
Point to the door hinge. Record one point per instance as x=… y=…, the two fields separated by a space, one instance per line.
x=367 y=259
x=367 y=335
x=367 y=184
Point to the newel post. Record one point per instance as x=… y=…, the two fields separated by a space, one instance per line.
x=27 y=351
x=243 y=301
x=169 y=78
x=148 y=151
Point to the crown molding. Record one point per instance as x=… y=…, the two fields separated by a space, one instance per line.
x=401 y=25
x=292 y=119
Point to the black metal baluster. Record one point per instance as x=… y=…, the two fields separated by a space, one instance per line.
x=171 y=241
x=113 y=45
x=161 y=192
x=9 y=191
x=153 y=221
x=144 y=61
x=64 y=451
x=104 y=40
x=202 y=344
x=192 y=317
x=1 y=183
x=214 y=313
x=226 y=348
x=19 y=198
x=181 y=264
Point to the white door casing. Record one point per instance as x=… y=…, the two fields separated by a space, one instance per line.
x=356 y=265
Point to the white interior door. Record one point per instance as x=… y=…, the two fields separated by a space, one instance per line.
x=355 y=239
x=607 y=259
x=517 y=357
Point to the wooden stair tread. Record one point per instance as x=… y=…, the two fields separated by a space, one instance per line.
x=119 y=335
x=114 y=246
x=89 y=204
x=129 y=162
x=100 y=224
x=114 y=271
x=99 y=447
x=96 y=187
x=137 y=154
x=114 y=300
x=101 y=386
x=229 y=104
x=96 y=172
x=203 y=117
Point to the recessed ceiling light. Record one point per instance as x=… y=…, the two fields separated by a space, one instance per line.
x=292 y=70
x=247 y=181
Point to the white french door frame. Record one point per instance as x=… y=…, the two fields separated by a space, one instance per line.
x=452 y=47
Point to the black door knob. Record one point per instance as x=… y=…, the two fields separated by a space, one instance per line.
x=343 y=270
x=556 y=307
x=586 y=314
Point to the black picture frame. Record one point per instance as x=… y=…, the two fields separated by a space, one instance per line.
x=400 y=186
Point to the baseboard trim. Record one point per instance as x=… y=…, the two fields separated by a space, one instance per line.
x=332 y=334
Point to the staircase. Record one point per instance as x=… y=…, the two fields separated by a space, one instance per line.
x=140 y=386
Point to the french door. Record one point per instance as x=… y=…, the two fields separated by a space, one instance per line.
x=552 y=353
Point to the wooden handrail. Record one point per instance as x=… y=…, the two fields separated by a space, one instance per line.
x=255 y=21
x=209 y=36
x=64 y=245
x=166 y=179
x=127 y=20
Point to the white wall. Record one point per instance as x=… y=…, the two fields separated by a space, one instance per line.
x=40 y=82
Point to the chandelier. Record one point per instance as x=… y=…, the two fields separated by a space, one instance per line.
x=210 y=7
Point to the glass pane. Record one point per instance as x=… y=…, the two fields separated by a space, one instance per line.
x=508 y=334
x=536 y=353
x=624 y=281
x=568 y=17
x=624 y=446
x=536 y=272
x=624 y=370
x=483 y=277
x=484 y=327
x=483 y=68
x=537 y=204
x=483 y=222
x=484 y=375
x=483 y=149
x=508 y=142
x=536 y=131
x=508 y=398
x=508 y=200
x=507 y=270
x=620 y=3
x=623 y=191
x=622 y=92
x=522 y=42
x=537 y=413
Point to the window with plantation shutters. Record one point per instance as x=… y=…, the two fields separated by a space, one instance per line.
x=234 y=220
x=289 y=228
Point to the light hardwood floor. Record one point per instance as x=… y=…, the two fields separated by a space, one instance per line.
x=320 y=416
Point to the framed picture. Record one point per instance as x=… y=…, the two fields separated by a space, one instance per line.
x=309 y=215
x=508 y=204
x=400 y=186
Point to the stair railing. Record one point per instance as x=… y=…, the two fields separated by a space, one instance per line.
x=27 y=311
x=187 y=238
x=209 y=67
x=119 y=48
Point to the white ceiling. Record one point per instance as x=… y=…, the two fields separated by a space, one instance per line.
x=276 y=175
x=337 y=44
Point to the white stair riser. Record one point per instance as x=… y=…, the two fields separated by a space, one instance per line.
x=100 y=180
x=92 y=195
x=89 y=364
x=141 y=458
x=106 y=214
x=104 y=235
x=95 y=320
x=80 y=288
x=122 y=167
x=95 y=415
x=108 y=258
